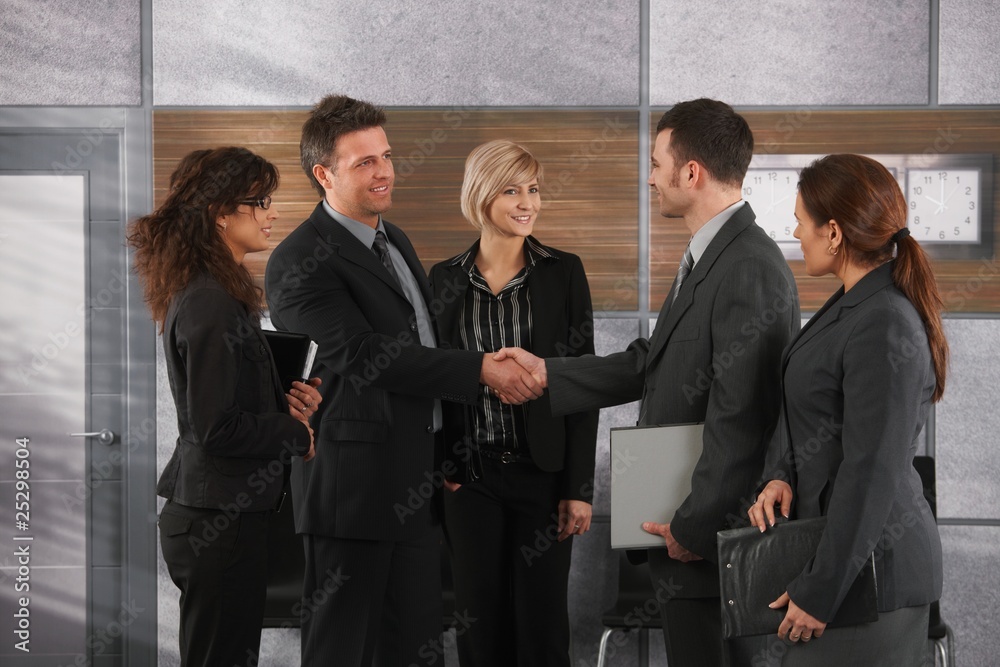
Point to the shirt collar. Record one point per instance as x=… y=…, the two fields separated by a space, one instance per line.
x=360 y=230
x=534 y=250
x=703 y=237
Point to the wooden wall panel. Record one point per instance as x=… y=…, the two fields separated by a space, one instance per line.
x=589 y=191
x=971 y=286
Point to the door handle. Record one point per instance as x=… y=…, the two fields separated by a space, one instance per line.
x=104 y=436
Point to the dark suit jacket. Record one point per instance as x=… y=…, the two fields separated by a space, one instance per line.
x=858 y=382
x=232 y=415
x=563 y=325
x=373 y=474
x=714 y=357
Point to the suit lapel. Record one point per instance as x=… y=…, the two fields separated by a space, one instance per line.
x=670 y=314
x=840 y=303
x=402 y=243
x=546 y=310
x=351 y=249
x=456 y=283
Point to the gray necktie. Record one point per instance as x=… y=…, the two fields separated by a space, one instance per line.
x=381 y=248
x=687 y=262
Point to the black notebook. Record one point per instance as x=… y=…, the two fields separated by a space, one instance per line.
x=755 y=569
x=293 y=354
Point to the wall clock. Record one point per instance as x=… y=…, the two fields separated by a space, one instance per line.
x=949 y=199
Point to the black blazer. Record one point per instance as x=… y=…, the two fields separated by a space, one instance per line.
x=232 y=416
x=563 y=325
x=375 y=447
x=714 y=357
x=858 y=382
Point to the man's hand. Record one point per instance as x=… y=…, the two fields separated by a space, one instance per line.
x=527 y=361
x=511 y=382
x=674 y=548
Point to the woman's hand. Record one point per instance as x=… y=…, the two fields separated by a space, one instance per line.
x=304 y=399
x=776 y=492
x=797 y=624
x=574 y=518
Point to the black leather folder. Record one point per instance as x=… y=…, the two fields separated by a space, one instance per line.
x=291 y=353
x=755 y=569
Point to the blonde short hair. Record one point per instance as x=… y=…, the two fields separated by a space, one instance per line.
x=489 y=168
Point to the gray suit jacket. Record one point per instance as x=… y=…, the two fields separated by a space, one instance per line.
x=858 y=382
x=714 y=357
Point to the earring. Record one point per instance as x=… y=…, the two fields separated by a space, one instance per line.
x=833 y=250
x=223 y=226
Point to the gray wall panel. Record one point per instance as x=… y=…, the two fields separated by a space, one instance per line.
x=969 y=69
x=968 y=422
x=789 y=52
x=402 y=53
x=611 y=335
x=971 y=591
x=54 y=52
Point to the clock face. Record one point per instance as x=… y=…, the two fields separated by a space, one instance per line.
x=943 y=205
x=771 y=193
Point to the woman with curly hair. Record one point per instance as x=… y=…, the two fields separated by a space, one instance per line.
x=234 y=419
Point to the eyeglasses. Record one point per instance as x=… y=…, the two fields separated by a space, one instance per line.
x=264 y=202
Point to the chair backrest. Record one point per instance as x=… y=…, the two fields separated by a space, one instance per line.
x=925 y=468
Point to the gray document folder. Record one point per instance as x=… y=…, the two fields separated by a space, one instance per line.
x=651 y=468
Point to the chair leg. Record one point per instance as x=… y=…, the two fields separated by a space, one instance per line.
x=604 y=646
x=942 y=656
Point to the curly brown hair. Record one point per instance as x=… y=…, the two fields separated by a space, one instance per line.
x=180 y=239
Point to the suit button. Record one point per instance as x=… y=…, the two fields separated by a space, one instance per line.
x=260 y=349
x=413 y=326
x=430 y=429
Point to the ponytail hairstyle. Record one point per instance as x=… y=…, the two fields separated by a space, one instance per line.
x=180 y=239
x=865 y=200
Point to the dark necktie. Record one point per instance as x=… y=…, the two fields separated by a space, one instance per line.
x=381 y=248
x=687 y=262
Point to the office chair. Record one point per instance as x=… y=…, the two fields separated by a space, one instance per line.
x=937 y=631
x=631 y=610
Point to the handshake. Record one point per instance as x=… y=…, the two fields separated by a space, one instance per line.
x=514 y=375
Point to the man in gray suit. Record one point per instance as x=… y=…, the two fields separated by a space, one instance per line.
x=714 y=357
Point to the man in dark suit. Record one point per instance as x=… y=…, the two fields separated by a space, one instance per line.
x=714 y=357
x=353 y=283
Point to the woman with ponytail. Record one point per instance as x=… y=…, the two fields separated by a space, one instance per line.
x=234 y=419
x=858 y=381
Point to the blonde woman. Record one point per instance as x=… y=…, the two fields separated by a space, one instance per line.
x=516 y=472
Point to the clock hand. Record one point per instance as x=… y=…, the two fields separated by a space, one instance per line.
x=949 y=196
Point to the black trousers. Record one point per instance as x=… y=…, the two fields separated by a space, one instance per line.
x=510 y=572
x=219 y=561
x=692 y=627
x=368 y=602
